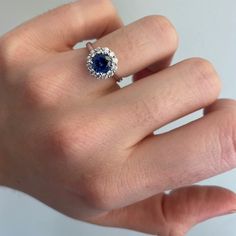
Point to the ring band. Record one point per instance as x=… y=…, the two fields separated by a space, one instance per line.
x=102 y=63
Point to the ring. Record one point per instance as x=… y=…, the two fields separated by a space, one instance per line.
x=102 y=63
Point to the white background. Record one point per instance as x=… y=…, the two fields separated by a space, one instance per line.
x=207 y=28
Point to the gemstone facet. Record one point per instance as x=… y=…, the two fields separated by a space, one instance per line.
x=102 y=63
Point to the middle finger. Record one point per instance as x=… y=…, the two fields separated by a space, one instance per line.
x=146 y=105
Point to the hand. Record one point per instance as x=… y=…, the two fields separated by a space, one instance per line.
x=85 y=147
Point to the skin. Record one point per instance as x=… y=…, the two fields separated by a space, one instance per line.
x=86 y=147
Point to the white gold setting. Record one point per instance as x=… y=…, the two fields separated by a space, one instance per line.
x=104 y=55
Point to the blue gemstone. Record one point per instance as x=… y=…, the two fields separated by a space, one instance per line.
x=101 y=63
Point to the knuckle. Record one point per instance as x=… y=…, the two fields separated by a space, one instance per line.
x=163 y=28
x=104 y=3
x=111 y=10
x=11 y=49
x=205 y=77
x=69 y=138
x=97 y=182
x=202 y=69
x=99 y=192
x=82 y=134
x=64 y=140
x=227 y=138
x=107 y=6
x=7 y=50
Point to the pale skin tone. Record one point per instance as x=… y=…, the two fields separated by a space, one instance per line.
x=86 y=148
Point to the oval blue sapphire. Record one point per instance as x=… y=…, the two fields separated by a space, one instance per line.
x=101 y=63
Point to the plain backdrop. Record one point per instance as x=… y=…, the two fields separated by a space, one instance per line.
x=206 y=29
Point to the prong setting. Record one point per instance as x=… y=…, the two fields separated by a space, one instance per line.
x=102 y=63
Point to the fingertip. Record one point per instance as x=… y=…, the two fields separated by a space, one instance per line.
x=191 y=205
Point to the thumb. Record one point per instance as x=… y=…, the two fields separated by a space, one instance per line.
x=174 y=213
x=188 y=206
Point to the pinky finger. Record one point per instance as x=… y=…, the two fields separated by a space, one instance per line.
x=189 y=154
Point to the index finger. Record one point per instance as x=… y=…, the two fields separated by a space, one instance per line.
x=61 y=28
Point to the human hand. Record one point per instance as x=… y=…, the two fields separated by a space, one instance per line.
x=85 y=147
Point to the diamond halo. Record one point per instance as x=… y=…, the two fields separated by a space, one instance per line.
x=102 y=63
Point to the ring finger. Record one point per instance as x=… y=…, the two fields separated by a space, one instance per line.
x=147 y=41
x=151 y=40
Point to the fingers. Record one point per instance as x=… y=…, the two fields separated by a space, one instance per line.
x=57 y=84
x=145 y=42
x=135 y=51
x=135 y=46
x=188 y=206
x=175 y=213
x=151 y=40
x=194 y=152
x=142 y=43
x=186 y=155
x=148 y=104
x=60 y=29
